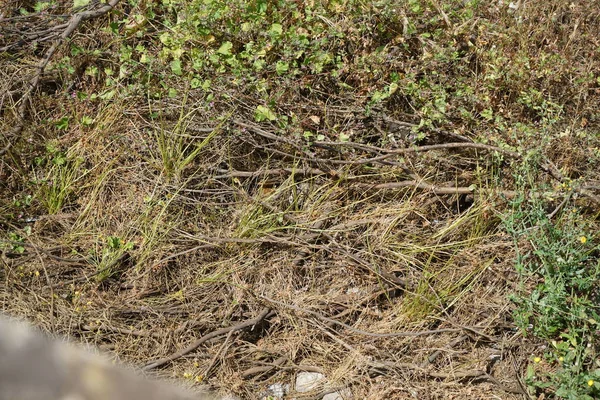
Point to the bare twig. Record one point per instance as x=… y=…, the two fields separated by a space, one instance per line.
x=377 y=366
x=419 y=149
x=271 y=172
x=434 y=188
x=124 y=331
x=217 y=354
x=360 y=331
x=433 y=356
x=264 y=368
x=265 y=313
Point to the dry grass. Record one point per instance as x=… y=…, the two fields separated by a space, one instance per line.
x=173 y=219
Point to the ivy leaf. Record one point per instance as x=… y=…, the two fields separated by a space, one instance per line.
x=80 y=3
x=264 y=113
x=176 y=67
x=87 y=121
x=276 y=30
x=282 y=67
x=225 y=48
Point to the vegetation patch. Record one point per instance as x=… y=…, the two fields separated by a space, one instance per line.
x=400 y=196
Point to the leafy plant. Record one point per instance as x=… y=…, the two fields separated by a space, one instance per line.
x=557 y=260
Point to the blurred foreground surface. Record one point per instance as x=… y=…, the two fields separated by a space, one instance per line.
x=33 y=367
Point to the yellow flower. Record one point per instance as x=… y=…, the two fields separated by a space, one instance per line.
x=590 y=382
x=583 y=239
x=187 y=375
x=537 y=360
x=561 y=359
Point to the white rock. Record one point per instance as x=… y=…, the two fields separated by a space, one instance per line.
x=307 y=381
x=276 y=391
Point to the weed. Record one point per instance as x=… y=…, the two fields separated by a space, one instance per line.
x=558 y=300
x=60 y=182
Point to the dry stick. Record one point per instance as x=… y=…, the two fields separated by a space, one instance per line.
x=265 y=368
x=265 y=313
x=98 y=272
x=277 y=364
x=103 y=328
x=268 y=135
x=559 y=207
x=377 y=366
x=390 y=153
x=217 y=354
x=33 y=83
x=434 y=188
x=420 y=185
x=361 y=332
x=307 y=156
x=437 y=353
x=275 y=171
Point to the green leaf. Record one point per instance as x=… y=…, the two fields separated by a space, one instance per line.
x=176 y=67
x=379 y=96
x=263 y=113
x=195 y=83
x=80 y=3
x=86 y=121
x=63 y=123
x=488 y=114
x=59 y=159
x=282 y=67
x=113 y=242
x=166 y=38
x=276 y=30
x=109 y=94
x=344 y=137
x=225 y=48
x=41 y=6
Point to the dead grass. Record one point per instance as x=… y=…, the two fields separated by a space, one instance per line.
x=180 y=217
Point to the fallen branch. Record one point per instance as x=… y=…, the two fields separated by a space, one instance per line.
x=265 y=313
x=439 y=190
x=366 y=333
x=420 y=149
x=264 y=368
x=271 y=172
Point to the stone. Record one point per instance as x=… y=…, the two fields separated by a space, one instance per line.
x=307 y=381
